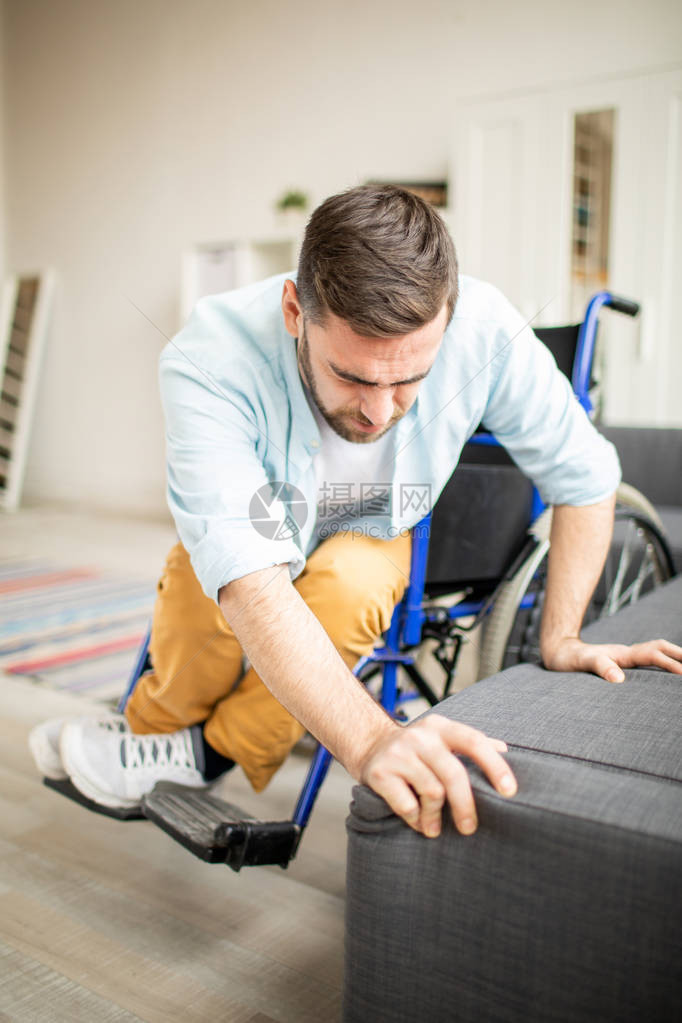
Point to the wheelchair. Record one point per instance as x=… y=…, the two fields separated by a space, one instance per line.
x=478 y=566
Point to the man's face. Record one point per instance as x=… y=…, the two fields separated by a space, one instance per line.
x=362 y=386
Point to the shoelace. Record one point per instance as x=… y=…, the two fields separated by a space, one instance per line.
x=113 y=725
x=162 y=751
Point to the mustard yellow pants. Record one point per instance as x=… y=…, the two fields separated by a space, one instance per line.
x=350 y=583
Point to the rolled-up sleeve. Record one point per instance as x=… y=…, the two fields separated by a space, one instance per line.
x=214 y=467
x=534 y=413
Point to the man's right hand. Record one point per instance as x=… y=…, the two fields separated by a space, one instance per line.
x=413 y=768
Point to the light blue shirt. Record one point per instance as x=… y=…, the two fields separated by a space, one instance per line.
x=238 y=417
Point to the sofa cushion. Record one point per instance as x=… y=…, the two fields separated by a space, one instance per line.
x=574 y=714
x=581 y=716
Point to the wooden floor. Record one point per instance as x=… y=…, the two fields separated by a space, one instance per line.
x=102 y=920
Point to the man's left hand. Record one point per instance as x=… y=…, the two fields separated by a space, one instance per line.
x=609 y=659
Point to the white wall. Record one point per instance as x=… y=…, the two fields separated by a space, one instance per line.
x=3 y=204
x=136 y=128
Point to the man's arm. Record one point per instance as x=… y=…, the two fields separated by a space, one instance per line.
x=579 y=543
x=412 y=767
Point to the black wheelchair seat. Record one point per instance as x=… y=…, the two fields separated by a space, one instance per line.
x=479 y=523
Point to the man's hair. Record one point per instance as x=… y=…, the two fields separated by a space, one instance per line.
x=380 y=258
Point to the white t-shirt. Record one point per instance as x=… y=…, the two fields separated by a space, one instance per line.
x=353 y=480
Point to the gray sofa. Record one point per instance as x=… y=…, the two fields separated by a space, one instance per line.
x=651 y=460
x=566 y=905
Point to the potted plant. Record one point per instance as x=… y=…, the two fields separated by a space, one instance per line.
x=294 y=199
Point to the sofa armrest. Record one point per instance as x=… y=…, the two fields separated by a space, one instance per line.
x=566 y=904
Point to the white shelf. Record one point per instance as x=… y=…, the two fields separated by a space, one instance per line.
x=209 y=268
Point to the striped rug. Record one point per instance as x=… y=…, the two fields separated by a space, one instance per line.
x=74 y=629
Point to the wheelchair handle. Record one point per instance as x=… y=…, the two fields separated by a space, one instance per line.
x=582 y=366
x=623 y=305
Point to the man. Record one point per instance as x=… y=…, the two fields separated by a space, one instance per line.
x=301 y=415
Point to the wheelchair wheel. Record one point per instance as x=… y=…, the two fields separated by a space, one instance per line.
x=638 y=561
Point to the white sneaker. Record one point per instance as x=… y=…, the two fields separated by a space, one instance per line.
x=43 y=742
x=118 y=769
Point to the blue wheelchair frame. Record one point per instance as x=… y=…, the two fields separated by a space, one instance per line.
x=410 y=616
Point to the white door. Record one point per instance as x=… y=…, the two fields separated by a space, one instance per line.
x=512 y=220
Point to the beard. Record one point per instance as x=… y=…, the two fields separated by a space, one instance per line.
x=340 y=420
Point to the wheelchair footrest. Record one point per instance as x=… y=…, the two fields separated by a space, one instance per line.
x=219 y=832
x=68 y=789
